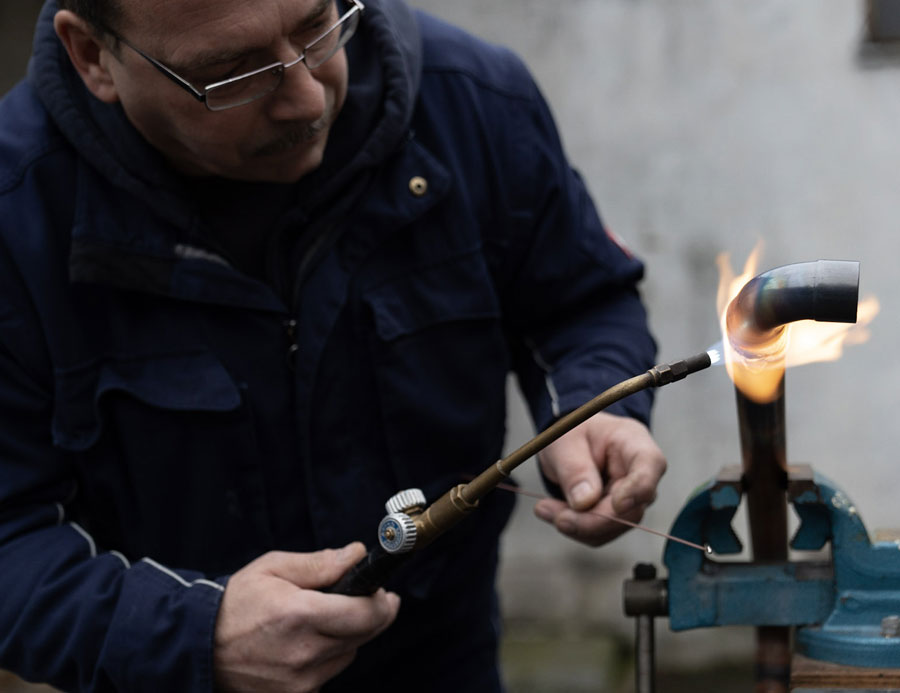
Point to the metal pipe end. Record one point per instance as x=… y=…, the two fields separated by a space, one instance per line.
x=836 y=291
x=824 y=290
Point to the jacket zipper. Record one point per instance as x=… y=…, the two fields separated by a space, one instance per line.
x=290 y=328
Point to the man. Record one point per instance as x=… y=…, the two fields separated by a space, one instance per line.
x=243 y=300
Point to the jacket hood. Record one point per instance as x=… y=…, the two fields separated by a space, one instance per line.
x=384 y=62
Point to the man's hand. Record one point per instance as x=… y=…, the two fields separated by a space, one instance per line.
x=609 y=464
x=275 y=632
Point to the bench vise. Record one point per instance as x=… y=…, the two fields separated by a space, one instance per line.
x=846 y=609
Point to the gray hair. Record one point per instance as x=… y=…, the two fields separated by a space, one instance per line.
x=103 y=15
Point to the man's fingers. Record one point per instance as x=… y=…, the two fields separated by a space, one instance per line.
x=340 y=616
x=275 y=627
x=635 y=464
x=330 y=615
x=568 y=462
x=329 y=668
x=313 y=570
x=638 y=486
x=637 y=489
x=594 y=526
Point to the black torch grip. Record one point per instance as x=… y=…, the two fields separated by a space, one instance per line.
x=371 y=573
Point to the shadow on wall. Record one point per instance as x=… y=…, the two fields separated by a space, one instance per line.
x=17 y=21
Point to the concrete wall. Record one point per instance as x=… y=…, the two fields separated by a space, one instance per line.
x=17 y=19
x=704 y=126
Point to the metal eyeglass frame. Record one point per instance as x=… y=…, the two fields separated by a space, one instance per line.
x=277 y=68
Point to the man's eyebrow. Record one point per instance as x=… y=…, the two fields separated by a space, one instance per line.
x=212 y=58
x=227 y=55
x=317 y=11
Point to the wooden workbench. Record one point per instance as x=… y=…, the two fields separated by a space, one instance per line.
x=813 y=675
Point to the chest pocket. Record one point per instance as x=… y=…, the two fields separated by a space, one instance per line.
x=440 y=361
x=452 y=292
x=167 y=458
x=177 y=382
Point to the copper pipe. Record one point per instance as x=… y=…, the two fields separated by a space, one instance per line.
x=826 y=291
x=762 y=432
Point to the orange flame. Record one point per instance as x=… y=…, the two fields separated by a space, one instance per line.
x=805 y=341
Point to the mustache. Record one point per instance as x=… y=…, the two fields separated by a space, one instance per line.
x=298 y=134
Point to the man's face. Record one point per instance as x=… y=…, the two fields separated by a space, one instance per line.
x=279 y=137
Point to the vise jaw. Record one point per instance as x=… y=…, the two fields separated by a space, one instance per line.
x=846 y=607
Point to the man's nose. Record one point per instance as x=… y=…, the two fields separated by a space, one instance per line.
x=300 y=96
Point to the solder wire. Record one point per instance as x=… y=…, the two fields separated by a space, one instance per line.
x=615 y=518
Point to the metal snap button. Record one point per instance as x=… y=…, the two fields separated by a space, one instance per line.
x=418 y=186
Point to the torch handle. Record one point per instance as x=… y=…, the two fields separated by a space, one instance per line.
x=367 y=576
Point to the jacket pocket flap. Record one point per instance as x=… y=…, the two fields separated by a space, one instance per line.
x=457 y=290
x=195 y=381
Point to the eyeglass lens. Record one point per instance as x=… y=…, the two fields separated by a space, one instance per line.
x=256 y=84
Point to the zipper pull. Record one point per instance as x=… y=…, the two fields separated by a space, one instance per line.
x=290 y=327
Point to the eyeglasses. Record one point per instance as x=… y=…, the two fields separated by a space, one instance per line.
x=242 y=89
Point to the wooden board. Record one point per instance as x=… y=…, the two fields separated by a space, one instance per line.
x=811 y=673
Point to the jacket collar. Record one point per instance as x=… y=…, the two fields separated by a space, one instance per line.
x=113 y=246
x=385 y=62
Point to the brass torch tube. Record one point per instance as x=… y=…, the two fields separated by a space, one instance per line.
x=463 y=499
x=497 y=473
x=376 y=567
x=763 y=445
x=459 y=501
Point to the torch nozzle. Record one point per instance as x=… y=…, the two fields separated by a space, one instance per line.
x=666 y=373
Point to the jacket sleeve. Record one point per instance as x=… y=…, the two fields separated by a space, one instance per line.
x=576 y=319
x=72 y=613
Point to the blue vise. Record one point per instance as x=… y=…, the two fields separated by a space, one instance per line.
x=846 y=609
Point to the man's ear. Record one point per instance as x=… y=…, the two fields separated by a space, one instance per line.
x=88 y=54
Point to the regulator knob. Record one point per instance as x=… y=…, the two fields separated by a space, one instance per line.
x=397 y=533
x=404 y=501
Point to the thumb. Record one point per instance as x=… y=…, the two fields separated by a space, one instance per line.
x=569 y=463
x=316 y=569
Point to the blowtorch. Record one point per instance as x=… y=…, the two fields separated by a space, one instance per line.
x=411 y=524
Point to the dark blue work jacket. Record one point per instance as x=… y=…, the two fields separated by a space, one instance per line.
x=165 y=417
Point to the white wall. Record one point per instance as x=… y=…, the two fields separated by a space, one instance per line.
x=704 y=126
